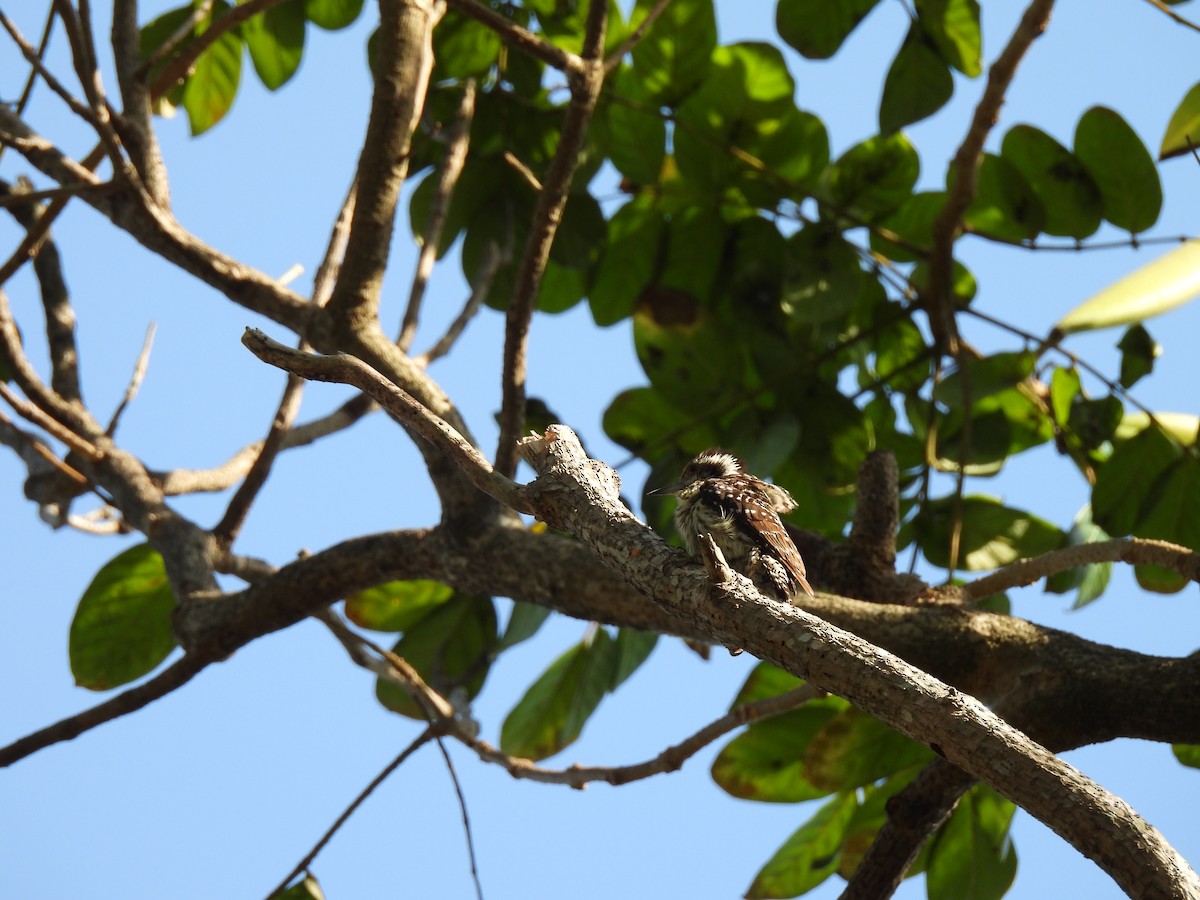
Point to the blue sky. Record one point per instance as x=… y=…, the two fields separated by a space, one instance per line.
x=217 y=790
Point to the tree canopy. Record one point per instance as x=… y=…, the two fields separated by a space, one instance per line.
x=645 y=237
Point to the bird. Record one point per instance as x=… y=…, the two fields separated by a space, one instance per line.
x=719 y=498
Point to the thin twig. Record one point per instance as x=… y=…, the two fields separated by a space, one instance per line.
x=178 y=68
x=966 y=172
x=1113 y=387
x=135 y=381
x=635 y=37
x=343 y=369
x=31 y=413
x=458 y=137
x=34 y=58
x=493 y=260
x=462 y=805
x=60 y=317
x=28 y=198
x=83 y=56
x=423 y=738
x=521 y=38
x=585 y=91
x=226 y=531
x=177 y=37
x=331 y=262
x=1134 y=551
x=174 y=676
x=27 y=91
x=1166 y=10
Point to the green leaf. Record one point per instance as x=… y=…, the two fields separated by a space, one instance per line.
x=1005 y=206
x=1157 y=287
x=122 y=626
x=765 y=762
x=332 y=14
x=275 y=39
x=1169 y=511
x=874 y=177
x=747 y=91
x=1138 y=352
x=1128 y=484
x=987 y=376
x=765 y=680
x=673 y=57
x=822 y=276
x=817 y=28
x=869 y=818
x=1071 y=199
x=809 y=856
x=855 y=749
x=396 y=605
x=213 y=82
x=1064 y=388
x=1188 y=754
x=1159 y=580
x=306 y=888
x=631 y=254
x=1121 y=167
x=992 y=534
x=451 y=648
x=917 y=85
x=972 y=855
x=953 y=25
x=1091 y=580
x=633 y=648
x=523 y=624
x=639 y=418
x=463 y=47
x=1183 y=131
x=1095 y=421
x=553 y=711
x=637 y=132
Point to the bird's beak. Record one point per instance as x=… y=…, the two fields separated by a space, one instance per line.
x=666 y=489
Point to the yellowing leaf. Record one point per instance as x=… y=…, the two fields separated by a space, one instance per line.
x=1155 y=288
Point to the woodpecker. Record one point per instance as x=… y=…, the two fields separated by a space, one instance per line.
x=741 y=513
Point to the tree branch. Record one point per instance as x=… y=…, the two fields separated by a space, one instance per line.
x=345 y=369
x=940 y=304
x=158 y=231
x=521 y=38
x=586 y=84
x=458 y=136
x=174 y=676
x=577 y=495
x=913 y=815
x=403 y=64
x=1135 y=551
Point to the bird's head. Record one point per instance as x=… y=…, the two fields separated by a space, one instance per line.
x=713 y=463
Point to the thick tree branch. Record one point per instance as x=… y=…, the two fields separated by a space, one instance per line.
x=403 y=64
x=586 y=84
x=913 y=815
x=578 y=496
